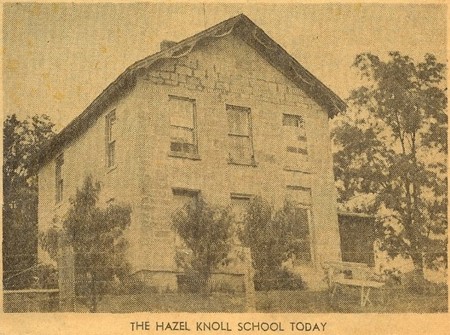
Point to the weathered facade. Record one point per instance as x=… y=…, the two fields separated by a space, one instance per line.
x=227 y=113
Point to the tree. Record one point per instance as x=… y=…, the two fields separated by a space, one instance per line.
x=391 y=154
x=22 y=140
x=271 y=239
x=206 y=231
x=96 y=237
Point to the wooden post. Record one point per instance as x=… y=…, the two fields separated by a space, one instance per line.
x=250 y=303
x=66 y=275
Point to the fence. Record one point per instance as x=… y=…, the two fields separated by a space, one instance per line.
x=32 y=300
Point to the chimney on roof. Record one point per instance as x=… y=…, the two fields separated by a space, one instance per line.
x=166 y=44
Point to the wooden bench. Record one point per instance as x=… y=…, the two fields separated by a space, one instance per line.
x=350 y=274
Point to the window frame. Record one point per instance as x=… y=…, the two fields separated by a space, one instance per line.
x=299 y=118
x=110 y=141
x=309 y=240
x=295 y=140
x=59 y=180
x=182 y=154
x=194 y=194
x=249 y=136
x=239 y=196
x=184 y=190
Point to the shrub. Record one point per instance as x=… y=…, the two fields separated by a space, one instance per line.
x=206 y=232
x=129 y=285
x=223 y=287
x=96 y=237
x=270 y=237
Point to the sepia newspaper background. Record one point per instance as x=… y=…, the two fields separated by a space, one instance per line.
x=324 y=37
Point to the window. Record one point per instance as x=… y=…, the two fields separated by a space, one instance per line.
x=239 y=207
x=293 y=121
x=300 y=221
x=183 y=137
x=295 y=140
x=299 y=194
x=300 y=231
x=239 y=135
x=59 y=178
x=182 y=196
x=110 y=139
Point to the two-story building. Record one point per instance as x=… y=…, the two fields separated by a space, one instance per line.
x=227 y=113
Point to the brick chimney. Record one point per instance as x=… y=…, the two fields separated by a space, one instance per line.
x=166 y=44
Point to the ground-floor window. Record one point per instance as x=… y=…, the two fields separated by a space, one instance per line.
x=301 y=233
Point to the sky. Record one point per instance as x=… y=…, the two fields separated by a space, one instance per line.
x=57 y=58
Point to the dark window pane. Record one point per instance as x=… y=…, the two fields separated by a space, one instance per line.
x=181 y=135
x=111 y=153
x=183 y=197
x=292 y=149
x=302 y=151
x=176 y=146
x=182 y=140
x=110 y=138
x=292 y=120
x=299 y=228
x=111 y=121
x=58 y=178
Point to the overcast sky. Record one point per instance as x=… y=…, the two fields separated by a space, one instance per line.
x=60 y=57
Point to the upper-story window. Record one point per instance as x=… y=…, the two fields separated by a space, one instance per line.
x=59 y=162
x=183 y=137
x=295 y=139
x=290 y=120
x=110 y=139
x=240 y=144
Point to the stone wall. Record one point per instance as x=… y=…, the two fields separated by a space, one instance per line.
x=227 y=71
x=216 y=73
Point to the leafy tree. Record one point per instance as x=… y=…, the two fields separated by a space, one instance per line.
x=271 y=239
x=96 y=237
x=391 y=154
x=22 y=140
x=206 y=231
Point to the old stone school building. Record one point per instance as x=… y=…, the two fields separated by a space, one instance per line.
x=227 y=113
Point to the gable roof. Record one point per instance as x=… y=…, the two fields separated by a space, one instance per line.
x=240 y=26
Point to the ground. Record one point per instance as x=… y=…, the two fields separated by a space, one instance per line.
x=392 y=300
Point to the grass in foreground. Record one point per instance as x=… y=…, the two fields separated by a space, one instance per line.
x=391 y=300
x=347 y=300
x=171 y=302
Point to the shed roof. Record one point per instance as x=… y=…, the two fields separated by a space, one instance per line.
x=240 y=26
